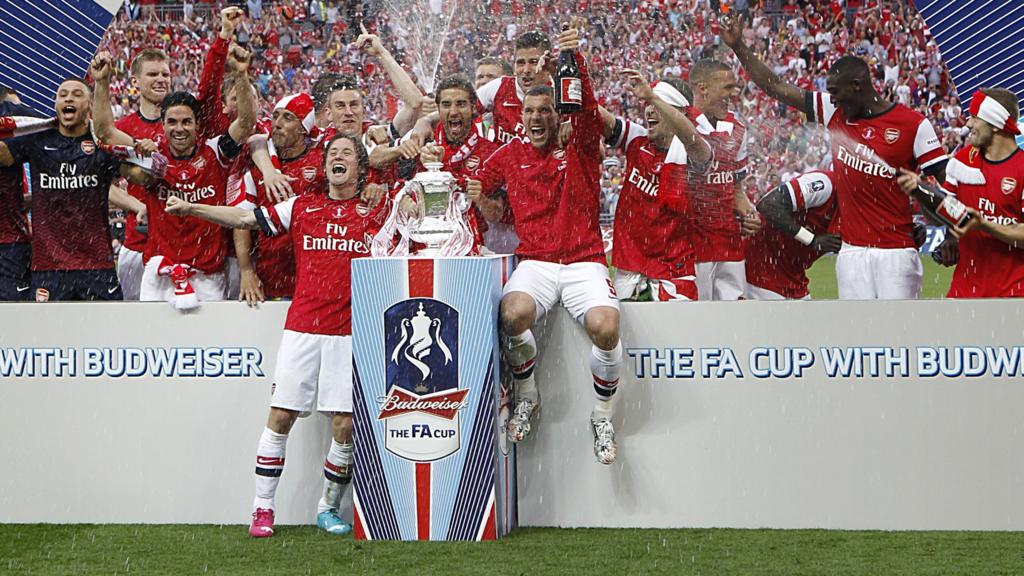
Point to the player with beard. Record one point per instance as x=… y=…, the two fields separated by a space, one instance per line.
x=987 y=175
x=801 y=213
x=184 y=259
x=504 y=96
x=72 y=257
x=270 y=271
x=716 y=194
x=461 y=146
x=314 y=362
x=652 y=248
x=871 y=138
x=553 y=194
x=151 y=75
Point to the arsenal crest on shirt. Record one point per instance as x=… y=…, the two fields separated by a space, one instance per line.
x=421 y=409
x=1008 y=185
x=88 y=146
x=892 y=135
x=309 y=173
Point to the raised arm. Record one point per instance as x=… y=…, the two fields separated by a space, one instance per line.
x=732 y=35
x=211 y=108
x=697 y=148
x=102 y=116
x=408 y=92
x=227 y=216
x=241 y=128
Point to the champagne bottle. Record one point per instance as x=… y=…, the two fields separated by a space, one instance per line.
x=951 y=211
x=568 y=86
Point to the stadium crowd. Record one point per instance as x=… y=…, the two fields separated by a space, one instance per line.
x=295 y=41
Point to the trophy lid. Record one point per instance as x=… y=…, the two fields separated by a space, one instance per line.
x=434 y=174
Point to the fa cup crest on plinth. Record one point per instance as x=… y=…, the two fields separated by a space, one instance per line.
x=428 y=218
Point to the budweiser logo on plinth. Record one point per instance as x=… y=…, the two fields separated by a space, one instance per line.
x=421 y=408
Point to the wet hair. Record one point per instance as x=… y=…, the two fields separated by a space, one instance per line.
x=533 y=39
x=540 y=91
x=506 y=69
x=361 y=154
x=6 y=91
x=704 y=68
x=343 y=82
x=458 y=82
x=179 y=99
x=148 y=55
x=321 y=90
x=1005 y=97
x=678 y=84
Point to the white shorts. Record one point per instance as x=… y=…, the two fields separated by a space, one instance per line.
x=157 y=288
x=633 y=285
x=878 y=273
x=579 y=286
x=757 y=293
x=233 y=278
x=314 y=371
x=129 y=272
x=721 y=280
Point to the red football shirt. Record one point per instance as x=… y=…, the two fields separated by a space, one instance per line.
x=141 y=128
x=326 y=235
x=778 y=262
x=988 y=268
x=866 y=153
x=717 y=232
x=554 y=193
x=199 y=179
x=275 y=260
x=503 y=98
x=650 y=237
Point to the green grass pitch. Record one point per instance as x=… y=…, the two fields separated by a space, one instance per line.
x=121 y=549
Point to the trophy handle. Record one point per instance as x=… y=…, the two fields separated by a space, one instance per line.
x=415 y=191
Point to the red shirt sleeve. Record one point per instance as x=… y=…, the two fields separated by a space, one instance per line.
x=212 y=118
x=492 y=173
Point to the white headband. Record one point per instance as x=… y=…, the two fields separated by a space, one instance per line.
x=669 y=94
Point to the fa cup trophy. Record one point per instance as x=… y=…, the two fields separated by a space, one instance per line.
x=428 y=218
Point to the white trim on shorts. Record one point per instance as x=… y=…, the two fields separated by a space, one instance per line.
x=629 y=285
